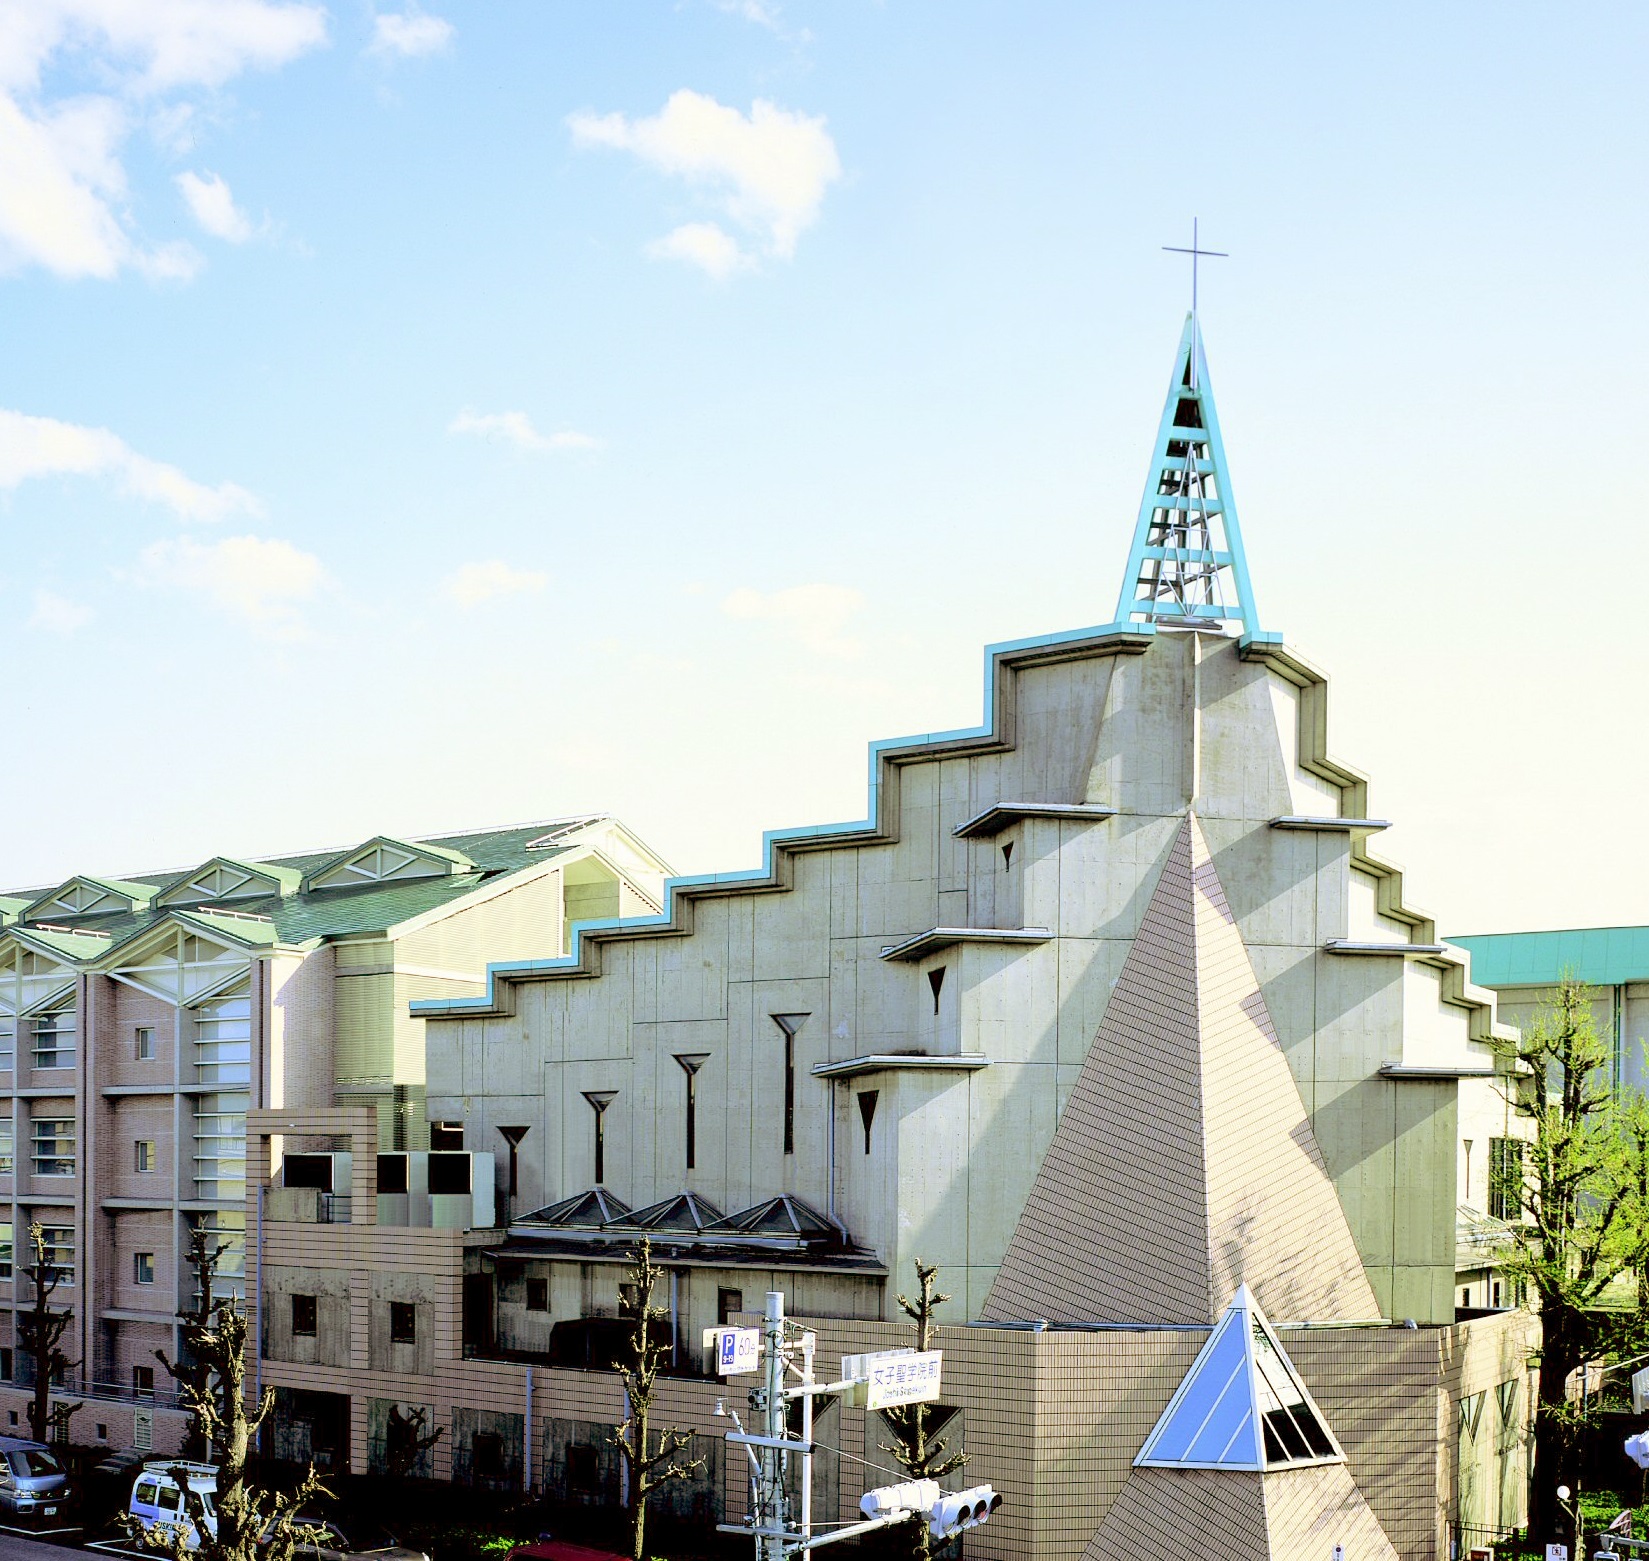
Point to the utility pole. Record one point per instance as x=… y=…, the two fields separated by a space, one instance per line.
x=771 y=1447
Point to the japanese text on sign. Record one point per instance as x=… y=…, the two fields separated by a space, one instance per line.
x=895 y=1377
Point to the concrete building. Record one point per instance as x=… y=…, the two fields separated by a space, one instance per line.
x=1109 y=1008
x=142 y=1018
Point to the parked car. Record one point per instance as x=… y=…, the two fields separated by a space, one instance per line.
x=32 y=1482
x=353 y=1539
x=544 y=1548
x=157 y=1498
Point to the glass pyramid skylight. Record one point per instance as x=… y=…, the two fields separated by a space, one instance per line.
x=1241 y=1406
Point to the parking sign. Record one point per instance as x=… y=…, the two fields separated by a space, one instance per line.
x=735 y=1350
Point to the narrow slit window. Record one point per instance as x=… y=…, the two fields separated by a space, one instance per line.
x=690 y=1066
x=867 y=1112
x=599 y=1100
x=936 y=980
x=1007 y=855
x=789 y=1024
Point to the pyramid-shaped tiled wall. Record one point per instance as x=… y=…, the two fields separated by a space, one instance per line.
x=1184 y=1163
x=1285 y=1515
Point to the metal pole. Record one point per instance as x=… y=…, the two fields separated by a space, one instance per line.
x=770 y=1514
x=526 y=1451
x=809 y=1341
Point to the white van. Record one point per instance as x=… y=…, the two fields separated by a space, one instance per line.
x=157 y=1498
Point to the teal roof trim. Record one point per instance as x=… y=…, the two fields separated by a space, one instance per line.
x=1131 y=636
x=1599 y=956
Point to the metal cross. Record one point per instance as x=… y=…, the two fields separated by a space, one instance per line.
x=1194 y=252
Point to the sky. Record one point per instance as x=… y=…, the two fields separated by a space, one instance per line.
x=419 y=419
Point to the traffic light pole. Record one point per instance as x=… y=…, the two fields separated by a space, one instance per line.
x=771 y=1449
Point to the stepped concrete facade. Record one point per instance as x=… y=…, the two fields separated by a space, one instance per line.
x=1108 y=1008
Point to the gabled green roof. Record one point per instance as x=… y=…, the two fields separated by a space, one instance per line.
x=455 y=860
x=301 y=915
x=1600 y=956
x=288 y=878
x=138 y=893
x=11 y=908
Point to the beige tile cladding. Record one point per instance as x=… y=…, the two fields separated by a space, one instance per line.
x=1147 y=1208
x=1185 y=1515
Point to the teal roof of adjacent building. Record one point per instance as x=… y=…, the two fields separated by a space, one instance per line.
x=312 y=914
x=1599 y=956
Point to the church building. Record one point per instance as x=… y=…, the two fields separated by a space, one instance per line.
x=1109 y=1008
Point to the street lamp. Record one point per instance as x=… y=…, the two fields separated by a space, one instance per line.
x=1571 y=1505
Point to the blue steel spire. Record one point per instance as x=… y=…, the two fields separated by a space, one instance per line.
x=1187 y=565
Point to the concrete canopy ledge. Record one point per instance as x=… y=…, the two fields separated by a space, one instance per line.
x=1392 y=950
x=1002 y=815
x=1351 y=826
x=1452 y=1070
x=936 y=938
x=877 y=1062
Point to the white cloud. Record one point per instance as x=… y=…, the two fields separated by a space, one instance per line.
x=32 y=447
x=112 y=64
x=516 y=428
x=814 y=616
x=213 y=207
x=770 y=170
x=757 y=11
x=58 y=614
x=409 y=33
x=262 y=581
x=704 y=245
x=472 y=584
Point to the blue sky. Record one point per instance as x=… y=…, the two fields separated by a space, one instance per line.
x=421 y=419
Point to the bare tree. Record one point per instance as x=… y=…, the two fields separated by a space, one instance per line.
x=406 y=1440
x=40 y=1331
x=653 y=1460
x=919 y=1446
x=250 y=1522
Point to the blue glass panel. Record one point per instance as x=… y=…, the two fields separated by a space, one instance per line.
x=1218 y=1376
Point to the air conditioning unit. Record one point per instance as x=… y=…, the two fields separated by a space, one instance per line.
x=328 y=1172
x=403 y=1188
x=461 y=1192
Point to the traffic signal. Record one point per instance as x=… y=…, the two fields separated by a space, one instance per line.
x=912 y=1496
x=959 y=1510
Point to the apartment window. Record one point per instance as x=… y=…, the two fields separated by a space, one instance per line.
x=143 y=1381
x=5 y=1257
x=54 y=1146
x=223 y=1040
x=538 y=1295
x=145 y=1042
x=143 y=1268
x=729 y=1303
x=303 y=1316
x=6 y=1363
x=1506 y=1172
x=143 y=1154
x=60 y=1251
x=8 y=1044
x=403 y=1322
x=54 y=1037
x=220 y=1148
x=8 y=1146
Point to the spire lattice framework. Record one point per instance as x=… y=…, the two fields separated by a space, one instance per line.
x=1187 y=565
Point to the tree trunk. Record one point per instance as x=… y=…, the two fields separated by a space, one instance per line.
x=1554 y=1462
x=638 y=1473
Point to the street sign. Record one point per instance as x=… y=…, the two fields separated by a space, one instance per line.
x=1557 y=1553
x=1640 y=1391
x=892 y=1377
x=734 y=1350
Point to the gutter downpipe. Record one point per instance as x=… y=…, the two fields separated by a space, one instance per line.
x=830 y=1156
x=257 y=1286
x=526 y=1452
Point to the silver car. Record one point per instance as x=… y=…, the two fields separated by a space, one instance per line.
x=32 y=1482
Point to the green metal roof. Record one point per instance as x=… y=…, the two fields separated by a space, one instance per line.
x=315 y=915
x=1600 y=956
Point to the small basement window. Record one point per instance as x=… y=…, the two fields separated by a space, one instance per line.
x=403 y=1322
x=304 y=1312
